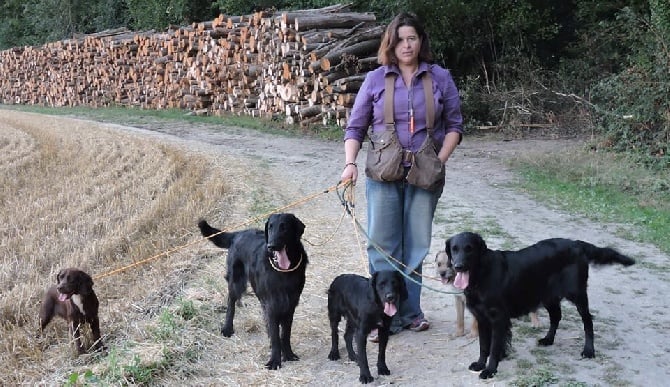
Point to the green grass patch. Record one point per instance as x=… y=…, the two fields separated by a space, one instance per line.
x=605 y=188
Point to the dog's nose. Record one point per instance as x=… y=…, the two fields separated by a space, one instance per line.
x=459 y=267
x=390 y=297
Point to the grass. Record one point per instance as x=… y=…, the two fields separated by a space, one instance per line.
x=605 y=187
x=141 y=117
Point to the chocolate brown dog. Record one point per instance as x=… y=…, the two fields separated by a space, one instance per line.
x=73 y=299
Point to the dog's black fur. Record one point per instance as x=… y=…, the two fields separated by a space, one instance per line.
x=366 y=304
x=254 y=256
x=73 y=299
x=507 y=284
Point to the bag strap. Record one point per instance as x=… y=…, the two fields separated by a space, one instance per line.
x=389 y=90
x=430 y=102
x=389 y=85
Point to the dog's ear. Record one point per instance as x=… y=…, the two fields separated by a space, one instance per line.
x=373 y=287
x=481 y=243
x=373 y=280
x=85 y=283
x=299 y=226
x=266 y=228
x=447 y=248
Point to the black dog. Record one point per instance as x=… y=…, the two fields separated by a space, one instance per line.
x=274 y=261
x=500 y=285
x=364 y=303
x=73 y=299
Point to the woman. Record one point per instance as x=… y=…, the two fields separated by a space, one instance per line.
x=400 y=214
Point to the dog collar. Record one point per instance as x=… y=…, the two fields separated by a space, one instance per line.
x=274 y=266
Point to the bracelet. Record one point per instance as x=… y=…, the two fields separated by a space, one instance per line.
x=348 y=164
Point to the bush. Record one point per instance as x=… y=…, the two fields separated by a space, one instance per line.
x=634 y=104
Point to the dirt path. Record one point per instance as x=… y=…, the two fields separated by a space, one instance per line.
x=629 y=306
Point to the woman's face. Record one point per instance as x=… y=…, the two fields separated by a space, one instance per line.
x=408 y=47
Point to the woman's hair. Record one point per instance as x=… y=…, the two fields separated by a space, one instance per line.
x=386 y=54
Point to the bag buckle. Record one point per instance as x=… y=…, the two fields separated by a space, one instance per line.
x=407 y=156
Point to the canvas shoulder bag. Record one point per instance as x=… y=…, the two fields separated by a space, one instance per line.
x=427 y=170
x=384 y=158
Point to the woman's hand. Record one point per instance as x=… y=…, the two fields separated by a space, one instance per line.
x=350 y=172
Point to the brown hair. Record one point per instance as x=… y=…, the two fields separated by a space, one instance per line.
x=386 y=54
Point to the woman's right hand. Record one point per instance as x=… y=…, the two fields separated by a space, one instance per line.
x=350 y=172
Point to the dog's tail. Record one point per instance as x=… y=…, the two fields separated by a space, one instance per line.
x=605 y=255
x=221 y=239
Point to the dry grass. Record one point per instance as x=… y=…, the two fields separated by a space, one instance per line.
x=76 y=195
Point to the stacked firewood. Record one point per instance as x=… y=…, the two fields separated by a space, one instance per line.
x=304 y=65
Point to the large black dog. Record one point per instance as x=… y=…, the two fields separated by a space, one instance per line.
x=365 y=303
x=274 y=261
x=500 y=285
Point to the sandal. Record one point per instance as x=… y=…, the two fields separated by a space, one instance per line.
x=419 y=325
x=373 y=337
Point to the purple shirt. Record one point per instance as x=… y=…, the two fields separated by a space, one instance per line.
x=369 y=106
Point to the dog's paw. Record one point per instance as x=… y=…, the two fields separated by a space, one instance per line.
x=476 y=366
x=273 y=364
x=487 y=374
x=545 y=341
x=290 y=357
x=227 y=331
x=589 y=353
x=334 y=355
x=383 y=370
x=365 y=379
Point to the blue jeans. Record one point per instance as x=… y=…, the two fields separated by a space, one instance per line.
x=400 y=223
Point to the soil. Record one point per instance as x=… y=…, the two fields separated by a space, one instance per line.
x=628 y=304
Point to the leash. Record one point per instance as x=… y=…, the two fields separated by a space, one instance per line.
x=238 y=226
x=396 y=264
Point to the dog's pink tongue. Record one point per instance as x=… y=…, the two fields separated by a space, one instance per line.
x=62 y=297
x=462 y=279
x=390 y=309
x=282 y=259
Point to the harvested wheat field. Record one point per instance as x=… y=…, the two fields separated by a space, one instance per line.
x=122 y=203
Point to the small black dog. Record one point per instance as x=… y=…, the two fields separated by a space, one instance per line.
x=274 y=262
x=500 y=285
x=73 y=299
x=364 y=303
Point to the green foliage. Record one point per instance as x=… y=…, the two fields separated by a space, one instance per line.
x=159 y=14
x=538 y=377
x=139 y=373
x=186 y=309
x=634 y=102
x=85 y=379
x=167 y=326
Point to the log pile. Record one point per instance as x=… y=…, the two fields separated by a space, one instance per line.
x=304 y=65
